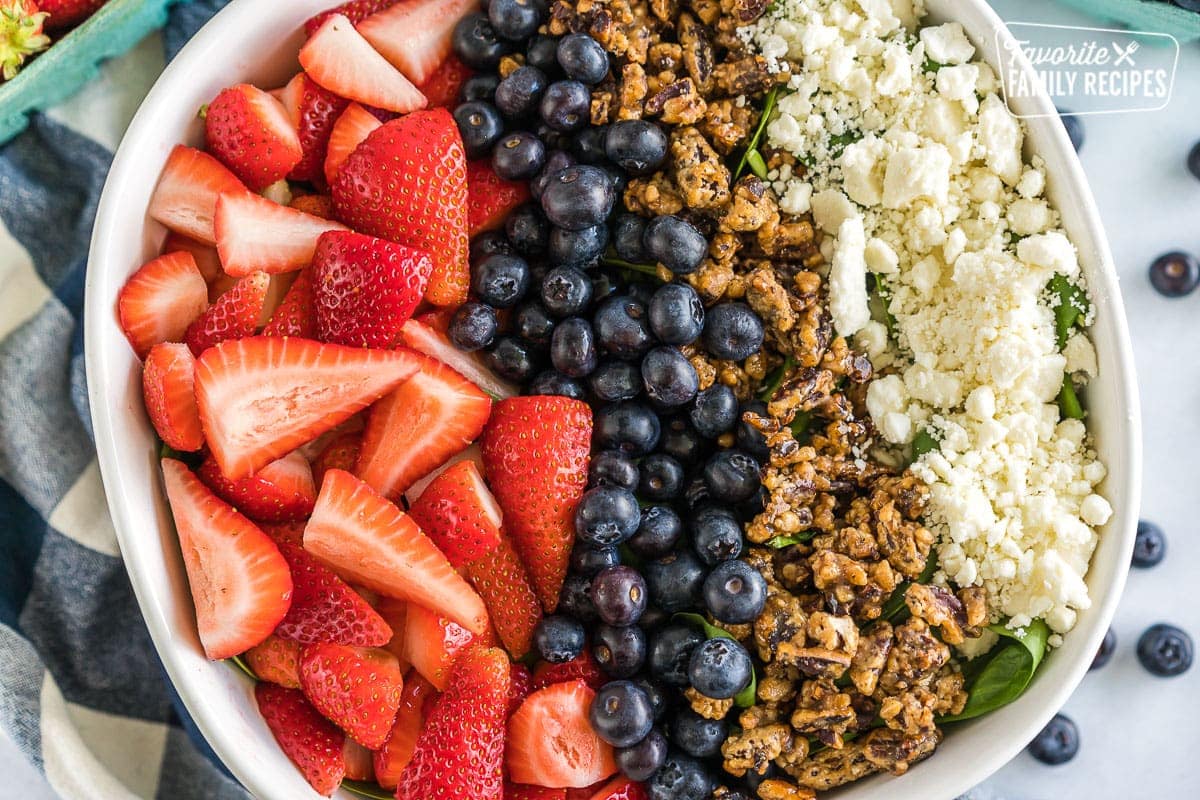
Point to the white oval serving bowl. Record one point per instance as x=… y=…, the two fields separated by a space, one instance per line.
x=257 y=42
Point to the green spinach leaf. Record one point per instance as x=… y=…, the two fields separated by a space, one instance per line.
x=1007 y=673
x=776 y=379
x=838 y=143
x=752 y=147
x=801 y=423
x=924 y=442
x=744 y=698
x=894 y=608
x=1068 y=400
x=757 y=165
x=1071 y=308
x=780 y=542
x=364 y=789
x=879 y=303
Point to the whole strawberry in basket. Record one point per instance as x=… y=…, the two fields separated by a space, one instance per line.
x=21 y=36
x=65 y=13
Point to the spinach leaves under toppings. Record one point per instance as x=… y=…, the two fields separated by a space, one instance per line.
x=924 y=442
x=1070 y=309
x=752 y=157
x=782 y=541
x=838 y=143
x=1068 y=400
x=745 y=698
x=613 y=261
x=364 y=789
x=1003 y=675
x=776 y=379
x=800 y=424
x=879 y=301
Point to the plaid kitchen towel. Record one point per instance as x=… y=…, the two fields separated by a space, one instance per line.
x=82 y=692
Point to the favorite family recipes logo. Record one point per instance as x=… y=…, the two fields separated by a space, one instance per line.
x=1087 y=70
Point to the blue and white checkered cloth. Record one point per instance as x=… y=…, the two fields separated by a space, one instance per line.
x=82 y=692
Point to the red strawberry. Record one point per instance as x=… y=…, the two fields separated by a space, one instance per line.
x=437 y=320
x=240 y=583
x=490 y=198
x=524 y=791
x=535 y=450
x=276 y=660
x=313 y=109
x=397 y=751
x=620 y=788
x=355 y=11
x=414 y=35
x=312 y=742
x=460 y=753
x=207 y=260
x=395 y=614
x=459 y=514
x=356 y=688
x=234 y=315
x=503 y=583
x=414 y=492
x=239 y=384
x=158 y=301
x=443 y=86
x=254 y=234
x=284 y=531
x=167 y=388
x=281 y=491
x=519 y=687
x=551 y=742
x=325 y=609
x=367 y=540
x=365 y=288
x=341 y=60
x=423 y=205
x=318 y=205
x=186 y=195
x=432 y=644
x=424 y=337
x=341 y=453
x=249 y=131
x=65 y=13
x=354 y=125
x=585 y=792
x=295 y=315
x=358 y=761
x=21 y=35
x=580 y=668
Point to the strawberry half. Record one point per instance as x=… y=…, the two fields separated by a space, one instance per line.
x=234 y=315
x=458 y=512
x=355 y=11
x=313 y=109
x=168 y=378
x=255 y=234
x=186 y=195
x=341 y=453
x=395 y=613
x=414 y=492
x=160 y=300
x=207 y=259
x=368 y=541
x=490 y=198
x=535 y=451
x=282 y=491
x=423 y=205
x=284 y=531
x=319 y=205
x=358 y=761
x=419 y=334
x=365 y=289
x=240 y=583
x=240 y=385
x=620 y=788
x=325 y=609
x=356 y=688
x=551 y=743
x=341 y=60
x=433 y=643
x=460 y=753
x=397 y=751
x=512 y=605
x=354 y=125
x=524 y=791
x=443 y=86
x=312 y=742
x=295 y=315
x=519 y=687
x=580 y=668
x=249 y=131
x=276 y=660
x=414 y=35
x=423 y=422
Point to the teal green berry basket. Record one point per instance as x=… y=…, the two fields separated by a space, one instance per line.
x=74 y=59
x=1144 y=15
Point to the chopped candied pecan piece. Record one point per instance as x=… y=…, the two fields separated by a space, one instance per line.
x=782 y=621
x=775 y=789
x=823 y=711
x=698 y=57
x=665 y=10
x=727 y=125
x=664 y=57
x=769 y=299
x=895 y=751
x=829 y=647
x=633 y=90
x=916 y=655
x=701 y=176
x=653 y=196
x=747 y=76
x=833 y=767
x=707 y=707
x=974 y=600
x=940 y=608
x=754 y=749
x=707 y=10
x=677 y=103
x=744 y=11
x=753 y=205
x=871 y=657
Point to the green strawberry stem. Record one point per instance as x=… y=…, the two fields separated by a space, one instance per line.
x=20 y=37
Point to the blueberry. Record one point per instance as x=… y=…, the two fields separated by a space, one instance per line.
x=1165 y=650
x=1108 y=646
x=1057 y=743
x=488 y=243
x=619 y=595
x=622 y=328
x=542 y=52
x=588 y=561
x=1175 y=274
x=517 y=95
x=514 y=20
x=604 y=285
x=479 y=87
x=511 y=358
x=606 y=515
x=573 y=348
x=658 y=532
x=716 y=535
x=661 y=477
x=627 y=238
x=500 y=280
x=732 y=331
x=617 y=178
x=616 y=380
x=575 y=599
x=558 y=638
x=715 y=411
x=696 y=495
x=660 y=700
x=640 y=761
x=556 y=161
x=676 y=314
x=621 y=713
x=680 y=778
x=554 y=140
x=619 y=651
x=476 y=43
x=578 y=197
x=528 y=230
x=637 y=146
x=566 y=106
x=629 y=427
x=533 y=324
x=473 y=326
x=750 y=438
x=1150 y=545
x=613 y=468
x=653 y=618
x=675 y=581
x=1193 y=160
x=582 y=58
x=578 y=248
x=671 y=651
x=675 y=243
x=720 y=668
x=734 y=592
x=566 y=291
x=1074 y=126
x=697 y=736
x=588 y=145
x=668 y=377
x=480 y=126
x=518 y=156
x=731 y=476
x=681 y=442
x=552 y=382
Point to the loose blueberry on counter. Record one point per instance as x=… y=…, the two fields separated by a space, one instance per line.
x=566 y=106
x=616 y=380
x=619 y=651
x=533 y=323
x=671 y=649
x=732 y=331
x=528 y=230
x=473 y=326
x=575 y=599
x=628 y=426
x=680 y=778
x=1165 y=650
x=1193 y=160
x=514 y=20
x=556 y=161
x=578 y=197
x=582 y=58
x=1149 y=545
x=566 y=291
x=476 y=43
x=720 y=668
x=606 y=516
x=735 y=593
x=1175 y=274
x=500 y=280
x=553 y=382
x=657 y=534
x=716 y=535
x=542 y=52
x=619 y=595
x=621 y=713
x=517 y=95
x=578 y=248
x=479 y=87
x=1108 y=646
x=627 y=232
x=518 y=156
x=750 y=438
x=613 y=468
x=588 y=145
x=669 y=378
x=587 y=560
x=731 y=476
x=1057 y=743
x=715 y=411
x=480 y=126
x=697 y=736
x=511 y=358
x=662 y=477
x=675 y=243
x=637 y=146
x=681 y=442
x=675 y=581
x=676 y=314
x=559 y=638
x=573 y=348
x=640 y=761
x=622 y=329
x=1074 y=126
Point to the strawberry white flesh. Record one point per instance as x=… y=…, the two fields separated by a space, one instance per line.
x=340 y=59
x=354 y=125
x=414 y=35
x=424 y=339
x=160 y=301
x=471 y=454
x=255 y=234
x=186 y=196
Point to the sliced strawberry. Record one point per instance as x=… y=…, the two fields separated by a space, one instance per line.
x=395 y=613
x=458 y=512
x=427 y=419
x=397 y=751
x=585 y=792
x=241 y=586
x=367 y=540
x=365 y=289
x=313 y=109
x=424 y=205
x=356 y=688
x=437 y=319
x=551 y=743
x=280 y=532
x=341 y=60
x=318 y=205
x=241 y=385
x=433 y=643
x=186 y=195
x=524 y=791
x=519 y=687
x=295 y=315
x=535 y=450
x=414 y=35
x=160 y=300
x=282 y=491
x=276 y=660
x=312 y=742
x=354 y=125
x=620 y=788
x=472 y=454
x=341 y=453
x=255 y=234
x=583 y=667
x=460 y=753
x=443 y=86
x=234 y=315
x=355 y=11
x=512 y=605
x=168 y=378
x=425 y=338
x=325 y=609
x=358 y=761
x=249 y=131
x=207 y=259
x=490 y=198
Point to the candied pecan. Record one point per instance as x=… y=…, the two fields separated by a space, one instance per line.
x=833 y=767
x=830 y=645
x=940 y=608
x=895 y=751
x=653 y=196
x=699 y=173
x=753 y=204
x=754 y=749
x=707 y=10
x=601 y=108
x=782 y=621
x=509 y=64
x=677 y=103
x=974 y=600
x=707 y=707
x=769 y=299
x=910 y=712
x=916 y=655
x=823 y=711
x=664 y=57
x=949 y=689
x=665 y=10
x=775 y=789
x=698 y=57
x=744 y=11
x=632 y=92
x=747 y=76
x=727 y=125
